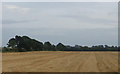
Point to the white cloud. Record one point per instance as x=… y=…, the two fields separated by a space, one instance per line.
x=11 y=6
x=16 y=9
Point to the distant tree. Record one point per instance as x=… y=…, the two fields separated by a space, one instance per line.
x=25 y=43
x=106 y=46
x=36 y=45
x=47 y=46
x=77 y=46
x=100 y=47
x=19 y=41
x=4 y=49
x=53 y=47
x=60 y=47
x=86 y=47
x=12 y=43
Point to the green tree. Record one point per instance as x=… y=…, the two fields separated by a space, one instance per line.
x=12 y=43
x=36 y=45
x=47 y=46
x=60 y=47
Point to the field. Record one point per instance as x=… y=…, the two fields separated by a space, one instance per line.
x=60 y=61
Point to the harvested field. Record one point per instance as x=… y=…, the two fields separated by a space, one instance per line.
x=59 y=61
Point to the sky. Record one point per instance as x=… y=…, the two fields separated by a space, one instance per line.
x=70 y=23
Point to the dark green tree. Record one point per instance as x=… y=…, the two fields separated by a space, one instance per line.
x=60 y=47
x=25 y=44
x=36 y=45
x=47 y=46
x=12 y=43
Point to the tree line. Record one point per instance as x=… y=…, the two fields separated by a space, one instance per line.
x=25 y=43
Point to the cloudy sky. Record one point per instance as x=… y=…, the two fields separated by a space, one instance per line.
x=82 y=23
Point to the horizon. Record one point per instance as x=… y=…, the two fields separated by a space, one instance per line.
x=64 y=44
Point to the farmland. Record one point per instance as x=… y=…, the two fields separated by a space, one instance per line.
x=60 y=61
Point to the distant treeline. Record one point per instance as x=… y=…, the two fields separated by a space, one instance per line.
x=24 y=43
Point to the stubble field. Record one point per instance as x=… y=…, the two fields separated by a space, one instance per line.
x=60 y=61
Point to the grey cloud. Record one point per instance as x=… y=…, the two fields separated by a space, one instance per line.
x=69 y=23
x=88 y=19
x=16 y=21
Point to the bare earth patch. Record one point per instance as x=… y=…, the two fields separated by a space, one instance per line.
x=60 y=61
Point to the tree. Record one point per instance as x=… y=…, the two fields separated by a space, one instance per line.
x=19 y=42
x=47 y=46
x=53 y=48
x=12 y=43
x=60 y=47
x=36 y=45
x=25 y=44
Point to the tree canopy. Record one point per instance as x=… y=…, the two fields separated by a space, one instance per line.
x=25 y=43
